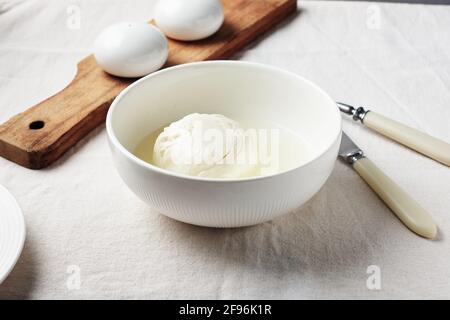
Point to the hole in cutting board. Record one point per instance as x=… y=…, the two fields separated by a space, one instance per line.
x=36 y=125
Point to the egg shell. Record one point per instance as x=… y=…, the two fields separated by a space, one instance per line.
x=189 y=20
x=131 y=49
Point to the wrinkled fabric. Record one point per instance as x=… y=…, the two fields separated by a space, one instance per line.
x=88 y=236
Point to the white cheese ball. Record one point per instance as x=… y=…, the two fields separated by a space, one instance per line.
x=206 y=145
x=131 y=49
x=189 y=20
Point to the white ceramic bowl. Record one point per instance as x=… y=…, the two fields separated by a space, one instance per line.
x=235 y=89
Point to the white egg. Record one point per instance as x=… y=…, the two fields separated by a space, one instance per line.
x=131 y=49
x=189 y=20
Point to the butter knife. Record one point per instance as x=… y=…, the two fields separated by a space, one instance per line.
x=412 y=138
x=414 y=216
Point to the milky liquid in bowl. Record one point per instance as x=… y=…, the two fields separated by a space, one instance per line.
x=239 y=91
x=292 y=150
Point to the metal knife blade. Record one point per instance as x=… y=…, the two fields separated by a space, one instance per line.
x=349 y=151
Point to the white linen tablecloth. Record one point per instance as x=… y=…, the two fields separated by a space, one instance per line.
x=88 y=236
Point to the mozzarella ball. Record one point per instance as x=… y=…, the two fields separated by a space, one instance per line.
x=205 y=145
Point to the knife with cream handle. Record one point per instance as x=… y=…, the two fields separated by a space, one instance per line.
x=402 y=204
x=412 y=138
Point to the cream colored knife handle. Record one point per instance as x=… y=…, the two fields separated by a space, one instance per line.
x=406 y=208
x=410 y=137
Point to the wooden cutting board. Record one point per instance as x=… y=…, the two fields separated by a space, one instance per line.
x=40 y=135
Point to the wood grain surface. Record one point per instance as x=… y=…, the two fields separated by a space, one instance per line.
x=44 y=132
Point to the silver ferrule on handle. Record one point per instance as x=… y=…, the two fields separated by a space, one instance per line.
x=357 y=114
x=353 y=155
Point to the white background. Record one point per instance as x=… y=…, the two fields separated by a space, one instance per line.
x=82 y=220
